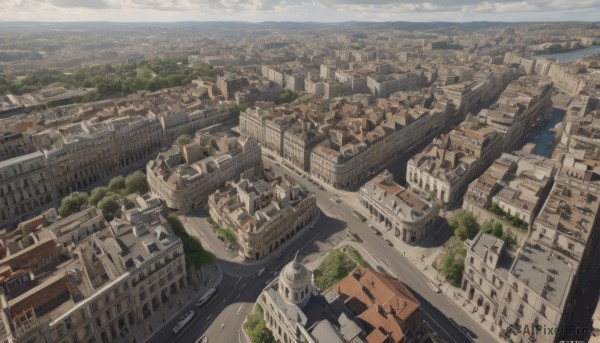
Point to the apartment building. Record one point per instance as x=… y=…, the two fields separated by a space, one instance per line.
x=263 y=212
x=27 y=187
x=15 y=144
x=445 y=168
x=185 y=176
x=98 y=287
x=520 y=105
x=517 y=184
x=407 y=213
x=354 y=153
x=485 y=274
x=229 y=84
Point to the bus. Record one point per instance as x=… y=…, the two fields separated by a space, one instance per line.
x=183 y=322
x=207 y=297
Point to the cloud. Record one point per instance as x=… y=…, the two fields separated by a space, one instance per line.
x=91 y=4
x=300 y=10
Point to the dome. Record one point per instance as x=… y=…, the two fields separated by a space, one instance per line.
x=295 y=283
x=295 y=273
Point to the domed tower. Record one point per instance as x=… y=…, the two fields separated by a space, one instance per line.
x=295 y=283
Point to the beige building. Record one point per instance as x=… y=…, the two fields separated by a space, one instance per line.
x=185 y=176
x=26 y=188
x=485 y=274
x=515 y=183
x=520 y=105
x=14 y=144
x=264 y=213
x=399 y=209
x=447 y=166
x=96 y=289
x=352 y=154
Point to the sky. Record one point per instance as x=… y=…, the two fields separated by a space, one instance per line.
x=299 y=10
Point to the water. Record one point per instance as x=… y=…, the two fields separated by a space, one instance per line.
x=543 y=135
x=572 y=55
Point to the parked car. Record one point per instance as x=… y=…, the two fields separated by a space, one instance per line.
x=388 y=242
x=261 y=271
x=360 y=216
x=202 y=339
x=183 y=321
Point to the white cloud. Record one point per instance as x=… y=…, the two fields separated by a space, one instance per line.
x=299 y=10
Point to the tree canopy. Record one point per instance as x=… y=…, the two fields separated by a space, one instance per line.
x=136 y=182
x=109 y=205
x=117 y=184
x=464 y=225
x=72 y=203
x=97 y=194
x=183 y=140
x=255 y=327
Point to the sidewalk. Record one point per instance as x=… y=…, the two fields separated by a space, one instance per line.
x=198 y=283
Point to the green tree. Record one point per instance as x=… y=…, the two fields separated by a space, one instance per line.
x=451 y=264
x=256 y=327
x=117 y=184
x=136 y=182
x=464 y=225
x=183 y=140
x=97 y=194
x=109 y=205
x=72 y=203
x=287 y=96
x=335 y=266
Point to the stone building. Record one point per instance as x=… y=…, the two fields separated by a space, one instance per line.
x=515 y=183
x=27 y=187
x=354 y=153
x=100 y=287
x=385 y=306
x=185 y=176
x=520 y=105
x=264 y=213
x=445 y=168
x=82 y=160
x=485 y=274
x=14 y=144
x=295 y=312
x=229 y=84
x=407 y=213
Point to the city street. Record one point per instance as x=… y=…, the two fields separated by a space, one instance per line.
x=222 y=319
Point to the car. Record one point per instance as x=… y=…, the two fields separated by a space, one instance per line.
x=269 y=280
x=275 y=273
x=310 y=180
x=261 y=271
x=277 y=164
x=338 y=200
x=434 y=287
x=388 y=242
x=312 y=227
x=375 y=231
x=183 y=321
x=202 y=339
x=207 y=297
x=360 y=216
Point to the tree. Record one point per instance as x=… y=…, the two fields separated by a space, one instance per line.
x=109 y=205
x=117 y=184
x=464 y=225
x=136 y=182
x=97 y=194
x=335 y=266
x=287 y=96
x=451 y=264
x=256 y=327
x=183 y=140
x=72 y=204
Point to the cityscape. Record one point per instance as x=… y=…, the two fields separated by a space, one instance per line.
x=205 y=171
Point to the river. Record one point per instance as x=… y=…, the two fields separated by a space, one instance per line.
x=572 y=55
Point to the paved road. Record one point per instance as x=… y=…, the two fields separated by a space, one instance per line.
x=240 y=287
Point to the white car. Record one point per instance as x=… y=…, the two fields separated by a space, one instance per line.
x=261 y=271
